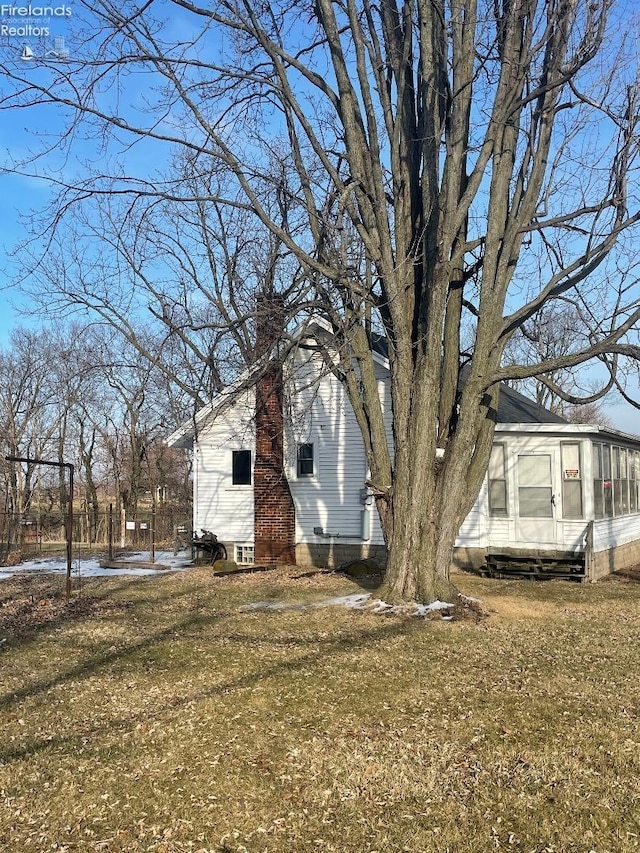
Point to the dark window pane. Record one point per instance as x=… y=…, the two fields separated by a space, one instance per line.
x=241 y=467
x=305 y=460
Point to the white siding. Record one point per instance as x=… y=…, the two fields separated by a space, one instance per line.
x=499 y=533
x=220 y=506
x=572 y=535
x=318 y=412
x=322 y=415
x=610 y=532
x=502 y=532
x=473 y=530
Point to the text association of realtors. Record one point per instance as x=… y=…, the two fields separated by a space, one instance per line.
x=30 y=29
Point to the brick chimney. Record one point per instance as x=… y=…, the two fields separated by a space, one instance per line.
x=274 y=512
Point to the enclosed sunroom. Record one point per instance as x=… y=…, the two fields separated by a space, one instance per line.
x=559 y=498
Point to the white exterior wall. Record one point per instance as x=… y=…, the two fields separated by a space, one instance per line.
x=320 y=413
x=474 y=529
x=316 y=412
x=480 y=530
x=611 y=532
x=218 y=505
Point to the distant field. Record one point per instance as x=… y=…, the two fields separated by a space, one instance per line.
x=157 y=714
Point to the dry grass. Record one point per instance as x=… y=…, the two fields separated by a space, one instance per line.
x=157 y=714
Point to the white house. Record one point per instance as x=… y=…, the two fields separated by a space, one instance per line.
x=556 y=494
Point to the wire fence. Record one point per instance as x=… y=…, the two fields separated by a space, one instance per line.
x=166 y=527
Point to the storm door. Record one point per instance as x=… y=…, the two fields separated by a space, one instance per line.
x=536 y=499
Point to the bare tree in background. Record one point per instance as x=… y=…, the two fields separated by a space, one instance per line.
x=123 y=419
x=177 y=279
x=574 y=392
x=484 y=155
x=77 y=394
x=27 y=401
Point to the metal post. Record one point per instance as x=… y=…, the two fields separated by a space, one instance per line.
x=153 y=532
x=70 y=510
x=110 y=533
x=70 y=531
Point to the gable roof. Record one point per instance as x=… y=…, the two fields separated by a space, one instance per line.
x=515 y=408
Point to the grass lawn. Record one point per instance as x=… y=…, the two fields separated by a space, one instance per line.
x=158 y=714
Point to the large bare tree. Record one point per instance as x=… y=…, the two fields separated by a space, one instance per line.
x=442 y=170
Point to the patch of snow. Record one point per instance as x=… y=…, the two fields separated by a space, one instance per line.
x=379 y=606
x=355 y=600
x=91 y=568
x=440 y=605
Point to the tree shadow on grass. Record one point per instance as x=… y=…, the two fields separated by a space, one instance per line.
x=329 y=646
x=37 y=605
x=102 y=660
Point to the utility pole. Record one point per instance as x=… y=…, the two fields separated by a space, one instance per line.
x=70 y=508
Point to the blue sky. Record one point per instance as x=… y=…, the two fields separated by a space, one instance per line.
x=12 y=196
x=20 y=196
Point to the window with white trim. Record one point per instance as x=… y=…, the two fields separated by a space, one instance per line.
x=633 y=481
x=498 y=506
x=616 y=479
x=305 y=463
x=241 y=468
x=571 y=480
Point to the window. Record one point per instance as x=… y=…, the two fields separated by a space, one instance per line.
x=571 y=481
x=616 y=480
x=245 y=555
x=241 y=468
x=535 y=494
x=606 y=481
x=598 y=501
x=305 y=460
x=624 y=480
x=497 y=482
x=498 y=505
x=616 y=470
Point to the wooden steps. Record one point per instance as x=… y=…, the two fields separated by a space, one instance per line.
x=536 y=567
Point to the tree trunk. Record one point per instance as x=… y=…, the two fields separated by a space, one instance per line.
x=421 y=526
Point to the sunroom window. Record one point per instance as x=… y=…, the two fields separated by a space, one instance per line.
x=571 y=481
x=498 y=506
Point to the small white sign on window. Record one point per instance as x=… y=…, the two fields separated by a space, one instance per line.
x=571 y=474
x=131 y=525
